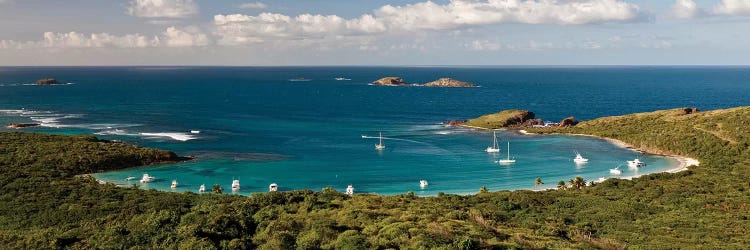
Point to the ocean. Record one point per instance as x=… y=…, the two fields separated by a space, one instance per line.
x=259 y=127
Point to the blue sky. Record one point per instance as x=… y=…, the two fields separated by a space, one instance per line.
x=346 y=32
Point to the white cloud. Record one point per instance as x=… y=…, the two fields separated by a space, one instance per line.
x=685 y=9
x=481 y=45
x=187 y=37
x=423 y=16
x=80 y=40
x=162 y=8
x=255 y=5
x=732 y=7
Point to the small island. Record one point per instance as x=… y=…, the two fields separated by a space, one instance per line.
x=449 y=83
x=22 y=125
x=390 y=81
x=48 y=81
x=511 y=119
x=440 y=83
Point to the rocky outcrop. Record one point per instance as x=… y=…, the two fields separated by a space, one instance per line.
x=48 y=81
x=390 y=81
x=22 y=125
x=449 y=83
x=690 y=110
x=570 y=121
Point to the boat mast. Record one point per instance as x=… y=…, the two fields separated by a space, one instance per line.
x=381 y=138
x=508 y=150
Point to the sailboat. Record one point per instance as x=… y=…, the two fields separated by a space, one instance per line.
x=235 y=185
x=350 y=189
x=202 y=188
x=507 y=160
x=174 y=184
x=494 y=148
x=380 y=145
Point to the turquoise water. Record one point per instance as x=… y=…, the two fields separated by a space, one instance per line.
x=257 y=126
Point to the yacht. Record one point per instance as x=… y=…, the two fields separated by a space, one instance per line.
x=380 y=145
x=147 y=178
x=195 y=131
x=579 y=159
x=494 y=148
x=636 y=163
x=235 y=185
x=350 y=190
x=423 y=183
x=174 y=184
x=507 y=160
x=273 y=187
x=615 y=171
x=202 y=188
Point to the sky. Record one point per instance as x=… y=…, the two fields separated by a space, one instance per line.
x=374 y=32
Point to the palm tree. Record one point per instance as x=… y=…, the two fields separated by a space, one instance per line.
x=217 y=189
x=577 y=182
x=561 y=185
x=538 y=182
x=483 y=189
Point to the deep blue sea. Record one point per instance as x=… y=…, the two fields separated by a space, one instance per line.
x=257 y=126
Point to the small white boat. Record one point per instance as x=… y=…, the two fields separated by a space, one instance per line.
x=195 y=131
x=130 y=178
x=380 y=145
x=350 y=190
x=579 y=159
x=273 y=187
x=147 y=178
x=494 y=148
x=507 y=160
x=202 y=188
x=235 y=185
x=615 y=171
x=636 y=163
x=342 y=79
x=174 y=184
x=423 y=183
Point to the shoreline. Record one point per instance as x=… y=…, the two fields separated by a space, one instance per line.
x=684 y=161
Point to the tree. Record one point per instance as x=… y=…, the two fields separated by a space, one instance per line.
x=217 y=189
x=577 y=183
x=483 y=189
x=538 y=182
x=561 y=185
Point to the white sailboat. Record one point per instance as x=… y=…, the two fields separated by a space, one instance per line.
x=494 y=148
x=423 y=183
x=174 y=184
x=380 y=145
x=202 y=188
x=579 y=159
x=235 y=185
x=273 y=187
x=507 y=160
x=350 y=189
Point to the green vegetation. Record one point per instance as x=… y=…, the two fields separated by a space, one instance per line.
x=502 y=119
x=44 y=206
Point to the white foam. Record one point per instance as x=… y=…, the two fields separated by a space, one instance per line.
x=174 y=136
x=115 y=132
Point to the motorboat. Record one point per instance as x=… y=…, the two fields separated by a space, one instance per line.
x=174 y=184
x=273 y=187
x=147 y=178
x=235 y=185
x=202 y=188
x=579 y=159
x=423 y=183
x=636 y=163
x=350 y=190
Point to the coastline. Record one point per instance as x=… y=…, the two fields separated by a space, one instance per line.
x=684 y=161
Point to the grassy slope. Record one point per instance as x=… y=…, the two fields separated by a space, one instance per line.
x=494 y=121
x=706 y=206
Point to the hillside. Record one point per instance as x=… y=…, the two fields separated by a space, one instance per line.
x=44 y=206
x=502 y=119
